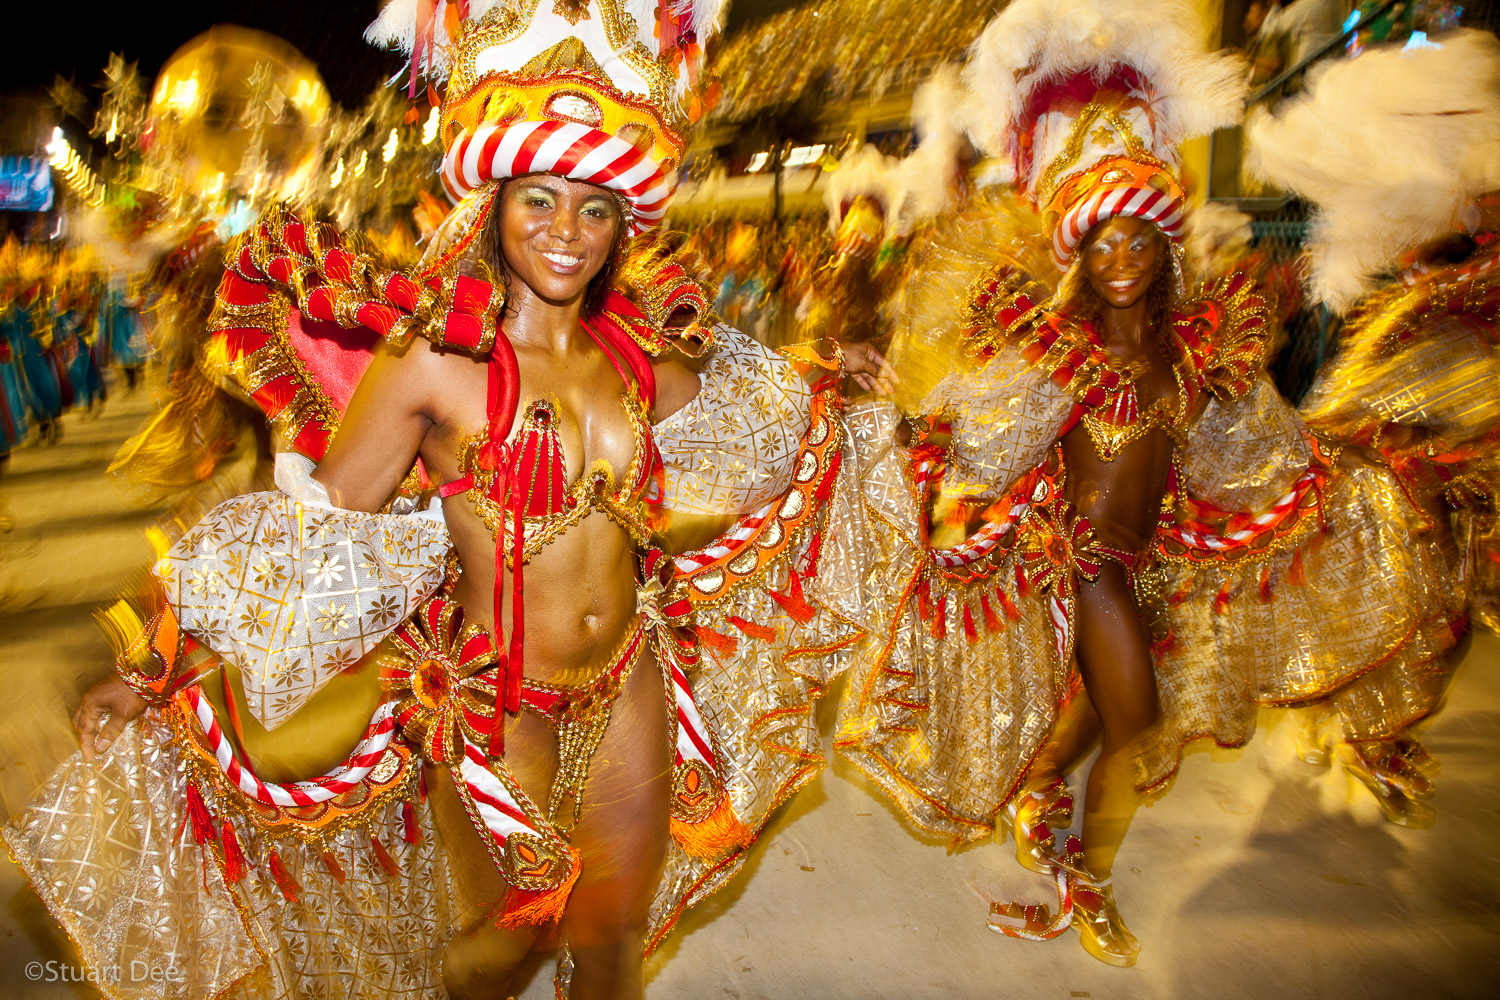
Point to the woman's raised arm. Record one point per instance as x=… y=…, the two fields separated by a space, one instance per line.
x=383 y=428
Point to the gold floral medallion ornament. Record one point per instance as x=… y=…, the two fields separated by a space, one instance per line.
x=443 y=674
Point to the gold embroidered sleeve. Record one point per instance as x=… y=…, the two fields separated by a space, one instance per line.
x=1004 y=413
x=731 y=449
x=293 y=590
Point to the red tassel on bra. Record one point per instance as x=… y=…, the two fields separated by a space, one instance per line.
x=203 y=823
x=235 y=867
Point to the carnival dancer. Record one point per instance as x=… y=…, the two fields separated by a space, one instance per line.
x=43 y=391
x=124 y=332
x=537 y=752
x=1137 y=509
x=850 y=290
x=1416 y=368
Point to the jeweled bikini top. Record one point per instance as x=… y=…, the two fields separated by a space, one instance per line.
x=518 y=486
x=533 y=483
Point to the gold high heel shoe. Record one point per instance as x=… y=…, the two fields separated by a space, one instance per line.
x=1101 y=930
x=1396 y=801
x=1032 y=815
x=1084 y=902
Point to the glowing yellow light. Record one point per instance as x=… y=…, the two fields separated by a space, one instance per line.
x=114 y=121
x=391 y=144
x=338 y=174
x=359 y=164
x=429 y=128
x=184 y=94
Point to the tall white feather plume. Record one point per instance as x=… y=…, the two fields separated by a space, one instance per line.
x=1391 y=147
x=925 y=177
x=395 y=27
x=1036 y=42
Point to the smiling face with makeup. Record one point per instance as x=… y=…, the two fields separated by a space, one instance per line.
x=556 y=235
x=1121 y=257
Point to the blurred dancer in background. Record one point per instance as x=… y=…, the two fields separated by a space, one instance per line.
x=1407 y=252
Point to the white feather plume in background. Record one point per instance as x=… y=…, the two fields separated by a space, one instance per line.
x=1390 y=146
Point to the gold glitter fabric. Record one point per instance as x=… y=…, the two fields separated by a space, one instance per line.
x=784 y=625
x=1356 y=616
x=293 y=590
x=1005 y=416
x=947 y=718
x=730 y=449
x=109 y=848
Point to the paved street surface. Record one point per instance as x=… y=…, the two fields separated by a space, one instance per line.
x=1255 y=876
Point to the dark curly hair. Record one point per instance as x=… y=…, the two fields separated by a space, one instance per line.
x=1078 y=300
x=487 y=248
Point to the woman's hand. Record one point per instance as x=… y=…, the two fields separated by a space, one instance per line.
x=107 y=708
x=869 y=368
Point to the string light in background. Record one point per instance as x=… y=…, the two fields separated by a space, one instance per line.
x=80 y=177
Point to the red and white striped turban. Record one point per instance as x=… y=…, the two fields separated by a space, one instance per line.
x=1160 y=202
x=568 y=149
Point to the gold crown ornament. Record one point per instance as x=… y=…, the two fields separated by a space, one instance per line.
x=599 y=91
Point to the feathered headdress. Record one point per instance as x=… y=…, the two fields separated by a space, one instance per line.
x=1089 y=99
x=600 y=91
x=1392 y=147
x=863 y=196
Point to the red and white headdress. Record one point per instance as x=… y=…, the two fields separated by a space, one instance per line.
x=1089 y=99
x=601 y=91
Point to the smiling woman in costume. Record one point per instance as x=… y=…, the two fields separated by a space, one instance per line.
x=537 y=752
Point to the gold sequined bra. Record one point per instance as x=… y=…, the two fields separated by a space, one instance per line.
x=1121 y=420
x=529 y=491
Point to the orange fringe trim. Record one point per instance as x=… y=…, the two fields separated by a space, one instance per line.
x=793 y=603
x=410 y=832
x=718 y=643
x=334 y=868
x=1222 y=598
x=762 y=632
x=715 y=835
x=1011 y=611
x=383 y=856
x=1296 y=574
x=991 y=622
x=939 y=629
x=1265 y=585
x=526 y=908
x=970 y=632
x=289 y=886
x=235 y=867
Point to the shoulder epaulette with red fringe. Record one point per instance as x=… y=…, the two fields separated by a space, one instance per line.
x=1224 y=334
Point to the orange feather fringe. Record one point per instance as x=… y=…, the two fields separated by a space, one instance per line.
x=715 y=835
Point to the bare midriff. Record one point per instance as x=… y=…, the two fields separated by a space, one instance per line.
x=580 y=589
x=1122 y=496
